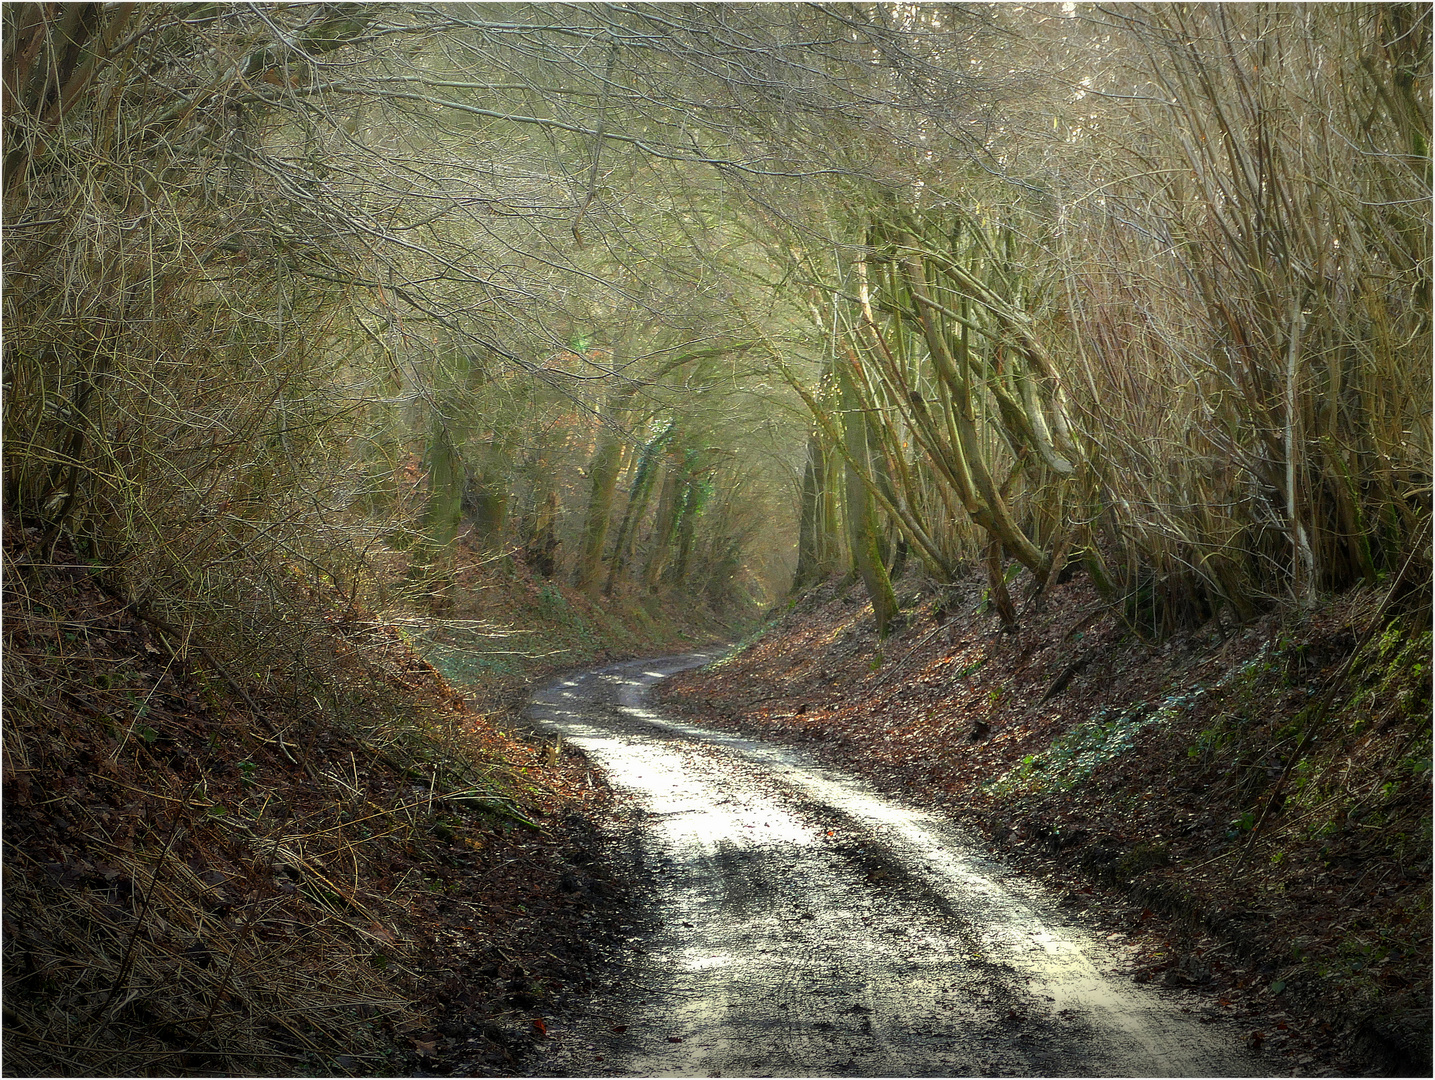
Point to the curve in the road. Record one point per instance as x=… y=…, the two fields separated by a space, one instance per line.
x=807 y=925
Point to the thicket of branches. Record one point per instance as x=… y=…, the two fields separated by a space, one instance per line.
x=1248 y=299
x=277 y=323
x=1173 y=318
x=291 y=288
x=283 y=294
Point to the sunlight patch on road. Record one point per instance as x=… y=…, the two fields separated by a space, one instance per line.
x=1054 y=964
x=808 y=918
x=704 y=961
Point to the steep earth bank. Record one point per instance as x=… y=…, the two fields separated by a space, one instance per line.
x=1246 y=812
x=207 y=873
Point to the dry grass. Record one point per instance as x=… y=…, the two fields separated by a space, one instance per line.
x=201 y=876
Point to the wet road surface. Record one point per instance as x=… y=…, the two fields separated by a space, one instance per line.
x=802 y=924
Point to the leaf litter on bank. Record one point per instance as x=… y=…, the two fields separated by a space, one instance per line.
x=203 y=877
x=1132 y=775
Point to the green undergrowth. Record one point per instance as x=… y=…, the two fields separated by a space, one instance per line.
x=1110 y=732
x=1300 y=783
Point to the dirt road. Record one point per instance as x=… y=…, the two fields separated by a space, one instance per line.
x=800 y=923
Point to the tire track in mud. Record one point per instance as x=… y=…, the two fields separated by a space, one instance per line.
x=803 y=924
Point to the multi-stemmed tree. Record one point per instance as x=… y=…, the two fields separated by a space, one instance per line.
x=1146 y=288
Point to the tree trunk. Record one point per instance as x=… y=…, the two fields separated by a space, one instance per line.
x=442 y=511
x=642 y=488
x=603 y=472
x=665 y=519
x=486 y=496
x=984 y=502
x=685 y=526
x=540 y=551
x=862 y=527
x=816 y=546
x=996 y=579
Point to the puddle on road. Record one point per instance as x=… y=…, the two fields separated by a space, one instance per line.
x=811 y=926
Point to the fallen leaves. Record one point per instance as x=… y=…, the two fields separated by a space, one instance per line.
x=969 y=727
x=194 y=845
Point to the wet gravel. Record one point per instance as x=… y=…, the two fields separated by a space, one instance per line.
x=795 y=922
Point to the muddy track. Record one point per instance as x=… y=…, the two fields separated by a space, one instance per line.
x=801 y=923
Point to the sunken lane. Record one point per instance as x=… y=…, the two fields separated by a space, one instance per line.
x=802 y=924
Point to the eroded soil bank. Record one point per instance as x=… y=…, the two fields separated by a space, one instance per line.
x=1170 y=791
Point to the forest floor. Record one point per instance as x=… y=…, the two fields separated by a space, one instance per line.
x=1164 y=790
x=205 y=876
